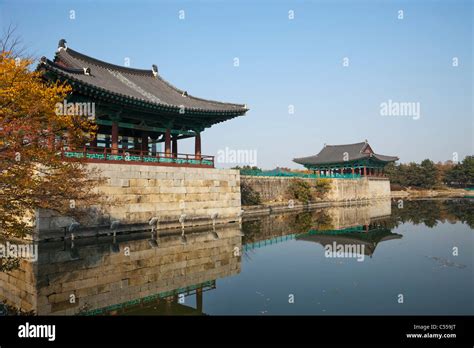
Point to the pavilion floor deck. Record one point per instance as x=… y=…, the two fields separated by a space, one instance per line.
x=130 y=156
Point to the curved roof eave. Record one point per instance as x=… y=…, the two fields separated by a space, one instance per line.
x=55 y=68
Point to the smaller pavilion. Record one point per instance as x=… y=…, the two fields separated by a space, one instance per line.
x=347 y=161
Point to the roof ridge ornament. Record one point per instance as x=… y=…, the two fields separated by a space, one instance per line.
x=62 y=45
x=87 y=71
x=154 y=69
x=184 y=94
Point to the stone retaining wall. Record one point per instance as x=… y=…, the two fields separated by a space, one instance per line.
x=132 y=194
x=275 y=189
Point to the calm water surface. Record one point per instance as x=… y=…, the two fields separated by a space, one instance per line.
x=422 y=252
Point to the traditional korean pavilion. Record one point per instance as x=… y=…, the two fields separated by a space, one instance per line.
x=135 y=110
x=349 y=160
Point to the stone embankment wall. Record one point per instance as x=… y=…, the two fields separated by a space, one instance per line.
x=133 y=194
x=275 y=189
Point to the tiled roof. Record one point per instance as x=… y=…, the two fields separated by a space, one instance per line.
x=343 y=153
x=143 y=85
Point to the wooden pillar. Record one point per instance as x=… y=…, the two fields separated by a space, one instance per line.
x=145 y=143
x=197 y=146
x=199 y=300
x=168 y=143
x=114 y=137
x=365 y=171
x=353 y=170
x=175 y=146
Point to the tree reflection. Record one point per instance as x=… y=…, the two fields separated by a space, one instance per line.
x=431 y=212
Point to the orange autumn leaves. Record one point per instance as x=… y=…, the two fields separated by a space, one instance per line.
x=32 y=174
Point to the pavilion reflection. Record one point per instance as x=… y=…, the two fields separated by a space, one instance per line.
x=124 y=274
x=367 y=237
x=364 y=225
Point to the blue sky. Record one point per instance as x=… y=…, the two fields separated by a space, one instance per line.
x=286 y=62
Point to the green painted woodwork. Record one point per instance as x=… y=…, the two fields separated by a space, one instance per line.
x=133 y=158
x=341 y=231
x=369 y=163
x=266 y=242
x=299 y=175
x=144 y=128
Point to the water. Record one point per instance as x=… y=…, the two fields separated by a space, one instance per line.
x=410 y=259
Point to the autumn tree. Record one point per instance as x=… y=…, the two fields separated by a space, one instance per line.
x=32 y=173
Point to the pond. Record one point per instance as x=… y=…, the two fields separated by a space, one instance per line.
x=386 y=257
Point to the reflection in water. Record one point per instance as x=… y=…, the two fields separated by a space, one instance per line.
x=357 y=225
x=139 y=275
x=124 y=275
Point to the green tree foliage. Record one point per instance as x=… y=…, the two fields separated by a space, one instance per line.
x=461 y=174
x=429 y=175
x=424 y=175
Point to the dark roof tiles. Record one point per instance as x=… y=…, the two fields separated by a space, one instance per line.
x=139 y=84
x=343 y=153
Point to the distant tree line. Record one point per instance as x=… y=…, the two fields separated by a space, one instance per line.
x=430 y=175
x=427 y=174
